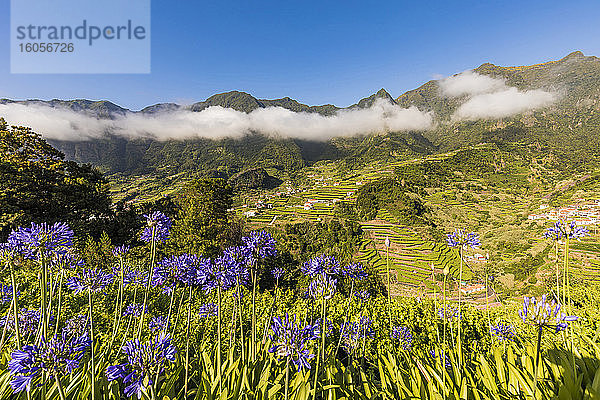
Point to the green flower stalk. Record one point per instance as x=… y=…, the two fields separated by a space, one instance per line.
x=389 y=286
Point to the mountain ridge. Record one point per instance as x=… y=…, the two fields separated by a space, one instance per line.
x=571 y=124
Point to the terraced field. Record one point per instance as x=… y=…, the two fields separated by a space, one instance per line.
x=587 y=259
x=414 y=262
x=322 y=197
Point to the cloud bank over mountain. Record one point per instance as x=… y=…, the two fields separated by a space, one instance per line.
x=476 y=97
x=489 y=98
x=218 y=122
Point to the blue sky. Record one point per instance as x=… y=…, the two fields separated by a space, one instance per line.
x=320 y=52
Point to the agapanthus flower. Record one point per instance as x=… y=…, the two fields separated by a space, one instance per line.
x=354 y=333
x=58 y=357
x=6 y=293
x=566 y=229
x=260 y=244
x=404 y=335
x=321 y=265
x=157 y=223
x=199 y=274
x=134 y=309
x=226 y=272
x=241 y=255
x=120 y=251
x=90 y=279
x=574 y=231
x=8 y=252
x=77 y=325
x=545 y=314
x=28 y=322
x=354 y=271
x=145 y=362
x=317 y=326
x=322 y=287
x=464 y=239
x=448 y=313
x=362 y=295
x=290 y=340
x=65 y=260
x=41 y=239
x=207 y=310
x=133 y=276
x=278 y=273
x=554 y=232
x=158 y=323
x=503 y=331
x=209 y=277
x=233 y=264
x=173 y=270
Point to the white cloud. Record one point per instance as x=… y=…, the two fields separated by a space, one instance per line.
x=470 y=83
x=503 y=103
x=218 y=122
x=60 y=123
x=489 y=98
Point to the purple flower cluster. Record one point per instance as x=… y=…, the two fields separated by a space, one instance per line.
x=65 y=260
x=133 y=276
x=462 y=238
x=290 y=340
x=354 y=333
x=317 y=327
x=404 y=335
x=503 y=331
x=145 y=362
x=158 y=227
x=322 y=287
x=175 y=270
x=260 y=244
x=28 y=322
x=120 y=251
x=6 y=294
x=565 y=229
x=354 y=271
x=134 y=309
x=41 y=239
x=58 y=357
x=554 y=232
x=158 y=323
x=278 y=273
x=448 y=313
x=233 y=266
x=545 y=314
x=77 y=325
x=90 y=279
x=321 y=265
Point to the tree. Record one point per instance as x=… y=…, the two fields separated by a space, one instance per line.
x=203 y=225
x=37 y=184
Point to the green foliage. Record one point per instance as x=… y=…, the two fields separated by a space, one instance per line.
x=392 y=195
x=345 y=210
x=337 y=237
x=37 y=184
x=203 y=224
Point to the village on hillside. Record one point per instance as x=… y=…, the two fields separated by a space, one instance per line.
x=582 y=213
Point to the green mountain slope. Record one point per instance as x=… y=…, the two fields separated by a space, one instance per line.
x=567 y=132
